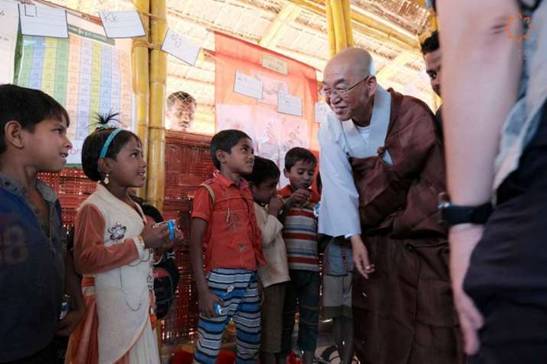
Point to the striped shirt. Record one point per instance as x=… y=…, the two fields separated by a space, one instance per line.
x=300 y=234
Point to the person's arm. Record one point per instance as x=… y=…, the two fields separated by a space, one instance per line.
x=268 y=223
x=205 y=296
x=92 y=256
x=297 y=198
x=90 y=253
x=480 y=73
x=74 y=290
x=202 y=209
x=339 y=209
x=411 y=141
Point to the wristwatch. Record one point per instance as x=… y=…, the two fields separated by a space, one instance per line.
x=456 y=214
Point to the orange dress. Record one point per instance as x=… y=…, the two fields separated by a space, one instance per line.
x=92 y=256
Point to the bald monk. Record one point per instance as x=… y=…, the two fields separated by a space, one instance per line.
x=382 y=169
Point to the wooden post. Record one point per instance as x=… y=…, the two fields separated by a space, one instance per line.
x=140 y=80
x=158 y=74
x=339 y=28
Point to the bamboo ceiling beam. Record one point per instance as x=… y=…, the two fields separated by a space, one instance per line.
x=388 y=31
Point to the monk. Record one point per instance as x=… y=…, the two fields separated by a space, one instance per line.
x=382 y=169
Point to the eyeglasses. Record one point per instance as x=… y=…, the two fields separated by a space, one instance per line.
x=339 y=91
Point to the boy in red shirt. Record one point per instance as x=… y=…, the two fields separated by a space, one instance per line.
x=224 y=229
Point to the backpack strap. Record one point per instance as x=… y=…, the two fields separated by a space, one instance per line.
x=210 y=190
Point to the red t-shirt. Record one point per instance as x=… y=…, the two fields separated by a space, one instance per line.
x=232 y=238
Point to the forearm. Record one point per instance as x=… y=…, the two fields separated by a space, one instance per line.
x=73 y=284
x=270 y=229
x=196 y=255
x=94 y=257
x=479 y=89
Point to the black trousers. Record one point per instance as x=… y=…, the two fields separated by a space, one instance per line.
x=514 y=332
x=507 y=276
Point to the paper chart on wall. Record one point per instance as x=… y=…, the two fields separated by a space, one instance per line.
x=86 y=73
x=9 y=18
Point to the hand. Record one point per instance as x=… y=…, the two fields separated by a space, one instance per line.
x=360 y=256
x=68 y=324
x=299 y=197
x=463 y=239
x=206 y=301
x=178 y=241
x=179 y=235
x=155 y=236
x=362 y=165
x=274 y=206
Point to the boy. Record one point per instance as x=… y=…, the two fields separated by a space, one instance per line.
x=300 y=234
x=32 y=253
x=275 y=274
x=224 y=226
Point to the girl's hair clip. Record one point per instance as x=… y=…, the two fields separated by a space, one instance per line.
x=107 y=120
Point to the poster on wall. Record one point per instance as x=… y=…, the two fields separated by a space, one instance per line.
x=9 y=18
x=281 y=115
x=87 y=73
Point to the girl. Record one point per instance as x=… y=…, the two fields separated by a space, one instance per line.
x=112 y=249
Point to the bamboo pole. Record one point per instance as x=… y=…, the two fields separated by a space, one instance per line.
x=158 y=75
x=140 y=80
x=339 y=29
x=346 y=7
x=330 y=29
x=339 y=25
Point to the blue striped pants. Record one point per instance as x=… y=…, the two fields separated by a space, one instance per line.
x=241 y=303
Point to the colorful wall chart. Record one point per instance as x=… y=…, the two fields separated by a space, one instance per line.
x=86 y=73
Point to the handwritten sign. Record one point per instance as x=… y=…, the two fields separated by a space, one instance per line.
x=122 y=24
x=247 y=85
x=275 y=64
x=289 y=104
x=180 y=47
x=43 y=21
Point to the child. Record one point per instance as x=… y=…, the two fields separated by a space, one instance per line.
x=275 y=274
x=337 y=286
x=224 y=228
x=300 y=234
x=112 y=248
x=33 y=266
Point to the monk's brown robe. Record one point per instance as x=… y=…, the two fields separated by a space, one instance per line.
x=404 y=312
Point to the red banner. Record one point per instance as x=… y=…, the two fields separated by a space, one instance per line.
x=269 y=96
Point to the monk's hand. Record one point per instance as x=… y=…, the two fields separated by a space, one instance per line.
x=362 y=165
x=360 y=256
x=381 y=151
x=463 y=239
